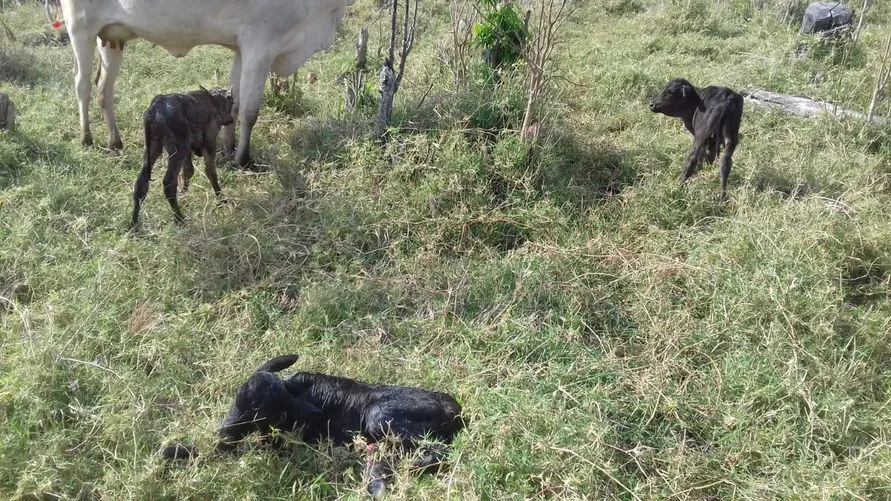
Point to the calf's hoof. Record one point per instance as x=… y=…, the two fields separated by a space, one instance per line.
x=377 y=488
x=179 y=452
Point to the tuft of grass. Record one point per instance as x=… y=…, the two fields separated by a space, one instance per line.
x=611 y=333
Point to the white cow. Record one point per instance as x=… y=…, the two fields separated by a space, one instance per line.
x=276 y=35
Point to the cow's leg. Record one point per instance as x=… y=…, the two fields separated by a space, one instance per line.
x=111 y=55
x=234 y=81
x=254 y=69
x=84 y=45
x=176 y=153
x=140 y=189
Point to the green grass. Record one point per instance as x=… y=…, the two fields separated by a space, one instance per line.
x=611 y=333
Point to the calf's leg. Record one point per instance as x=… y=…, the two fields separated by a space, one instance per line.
x=727 y=163
x=693 y=159
x=140 y=189
x=188 y=172
x=176 y=150
x=379 y=473
x=210 y=170
x=711 y=150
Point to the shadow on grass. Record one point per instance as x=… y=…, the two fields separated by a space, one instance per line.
x=579 y=173
x=326 y=140
x=19 y=151
x=17 y=67
x=767 y=179
x=866 y=276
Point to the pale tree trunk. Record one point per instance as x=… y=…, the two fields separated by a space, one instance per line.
x=390 y=78
x=362 y=49
x=860 y=22
x=355 y=83
x=537 y=53
x=882 y=78
x=385 y=107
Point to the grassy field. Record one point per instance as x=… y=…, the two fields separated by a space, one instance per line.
x=611 y=333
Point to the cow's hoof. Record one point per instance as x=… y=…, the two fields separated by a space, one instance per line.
x=247 y=164
x=252 y=166
x=87 y=140
x=116 y=146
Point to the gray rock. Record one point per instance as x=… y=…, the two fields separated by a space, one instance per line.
x=7 y=112
x=824 y=16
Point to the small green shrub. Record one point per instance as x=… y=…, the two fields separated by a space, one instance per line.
x=501 y=34
x=286 y=96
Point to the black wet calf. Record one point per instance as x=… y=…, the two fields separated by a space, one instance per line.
x=322 y=406
x=182 y=124
x=713 y=115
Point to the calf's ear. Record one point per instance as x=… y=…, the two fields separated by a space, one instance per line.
x=278 y=363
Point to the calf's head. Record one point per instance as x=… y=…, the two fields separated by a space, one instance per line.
x=263 y=403
x=677 y=100
x=222 y=102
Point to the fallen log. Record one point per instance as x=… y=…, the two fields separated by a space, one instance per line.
x=802 y=106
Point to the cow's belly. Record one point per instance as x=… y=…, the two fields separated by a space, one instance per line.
x=288 y=31
x=314 y=34
x=178 y=40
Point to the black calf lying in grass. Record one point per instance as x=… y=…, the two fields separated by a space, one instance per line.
x=182 y=124
x=712 y=115
x=322 y=406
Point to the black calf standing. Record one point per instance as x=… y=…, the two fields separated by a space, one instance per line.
x=182 y=124
x=325 y=406
x=713 y=115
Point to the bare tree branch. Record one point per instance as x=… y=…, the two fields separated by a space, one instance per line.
x=537 y=53
x=390 y=78
x=882 y=78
